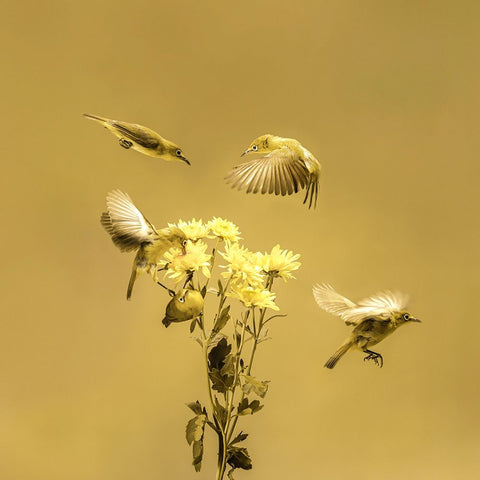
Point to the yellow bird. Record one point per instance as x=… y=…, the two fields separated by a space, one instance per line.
x=187 y=304
x=130 y=230
x=142 y=139
x=374 y=318
x=286 y=168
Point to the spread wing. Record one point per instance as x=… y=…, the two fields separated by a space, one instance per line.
x=279 y=172
x=125 y=223
x=142 y=135
x=380 y=306
x=385 y=303
x=331 y=301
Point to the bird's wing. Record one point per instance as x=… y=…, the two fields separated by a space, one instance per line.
x=314 y=168
x=125 y=223
x=279 y=172
x=331 y=301
x=384 y=303
x=142 y=135
x=351 y=313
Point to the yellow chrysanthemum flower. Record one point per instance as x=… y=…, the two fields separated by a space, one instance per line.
x=194 y=229
x=240 y=268
x=278 y=263
x=180 y=266
x=253 y=297
x=224 y=229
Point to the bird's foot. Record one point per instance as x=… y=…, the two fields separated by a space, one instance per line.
x=125 y=143
x=376 y=357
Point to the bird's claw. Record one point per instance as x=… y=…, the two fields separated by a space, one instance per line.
x=376 y=357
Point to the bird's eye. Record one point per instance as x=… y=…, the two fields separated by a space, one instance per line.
x=254 y=148
x=178 y=153
x=406 y=316
x=184 y=243
x=181 y=299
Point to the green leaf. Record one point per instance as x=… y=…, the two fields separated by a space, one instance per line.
x=220 y=383
x=253 y=385
x=195 y=428
x=223 y=379
x=222 y=319
x=239 y=438
x=220 y=287
x=197 y=451
x=220 y=413
x=238 y=457
x=217 y=355
x=238 y=340
x=193 y=324
x=194 y=433
x=196 y=407
x=246 y=408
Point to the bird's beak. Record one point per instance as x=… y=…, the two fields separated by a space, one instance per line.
x=245 y=152
x=186 y=161
x=413 y=319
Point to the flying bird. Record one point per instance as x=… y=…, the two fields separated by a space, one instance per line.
x=142 y=139
x=374 y=318
x=131 y=231
x=285 y=168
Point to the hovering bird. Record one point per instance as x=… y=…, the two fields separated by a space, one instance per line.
x=187 y=304
x=130 y=230
x=286 y=168
x=142 y=139
x=374 y=318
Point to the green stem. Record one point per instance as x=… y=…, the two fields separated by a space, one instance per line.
x=237 y=365
x=214 y=254
x=205 y=355
x=268 y=286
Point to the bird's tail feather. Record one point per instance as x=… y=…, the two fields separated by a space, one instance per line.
x=332 y=361
x=95 y=117
x=133 y=277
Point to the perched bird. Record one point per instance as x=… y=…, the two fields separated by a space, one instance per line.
x=187 y=304
x=130 y=230
x=142 y=139
x=374 y=318
x=286 y=168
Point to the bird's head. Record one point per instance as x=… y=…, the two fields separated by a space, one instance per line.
x=174 y=153
x=400 y=318
x=178 y=238
x=185 y=305
x=262 y=144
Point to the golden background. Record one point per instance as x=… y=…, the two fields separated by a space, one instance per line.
x=385 y=94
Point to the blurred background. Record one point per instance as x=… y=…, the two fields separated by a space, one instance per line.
x=385 y=94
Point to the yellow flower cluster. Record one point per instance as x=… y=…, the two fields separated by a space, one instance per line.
x=179 y=266
x=240 y=269
x=194 y=229
x=224 y=230
x=253 y=297
x=247 y=273
x=278 y=263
